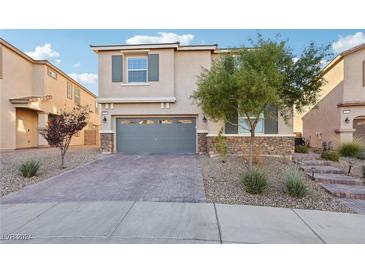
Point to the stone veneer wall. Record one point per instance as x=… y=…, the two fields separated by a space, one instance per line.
x=264 y=145
x=202 y=142
x=107 y=142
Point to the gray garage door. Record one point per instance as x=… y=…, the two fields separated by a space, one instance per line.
x=156 y=135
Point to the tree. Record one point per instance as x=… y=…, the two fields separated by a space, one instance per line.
x=250 y=81
x=62 y=127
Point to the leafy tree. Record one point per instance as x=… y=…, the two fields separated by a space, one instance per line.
x=249 y=81
x=62 y=127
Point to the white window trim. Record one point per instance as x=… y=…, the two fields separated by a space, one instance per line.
x=256 y=135
x=79 y=96
x=69 y=84
x=137 y=83
x=251 y=117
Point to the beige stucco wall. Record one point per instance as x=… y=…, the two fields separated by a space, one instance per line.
x=162 y=88
x=344 y=85
x=22 y=78
x=187 y=66
x=354 y=91
x=334 y=78
x=353 y=73
x=16 y=82
x=321 y=122
x=178 y=74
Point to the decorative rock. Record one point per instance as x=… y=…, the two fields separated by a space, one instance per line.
x=264 y=145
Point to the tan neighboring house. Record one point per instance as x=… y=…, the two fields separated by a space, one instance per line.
x=144 y=92
x=339 y=116
x=32 y=91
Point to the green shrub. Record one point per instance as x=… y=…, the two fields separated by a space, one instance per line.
x=361 y=156
x=352 y=149
x=29 y=168
x=330 y=155
x=295 y=183
x=301 y=149
x=255 y=181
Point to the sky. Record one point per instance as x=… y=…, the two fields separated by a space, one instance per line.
x=69 y=49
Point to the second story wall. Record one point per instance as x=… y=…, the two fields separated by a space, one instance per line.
x=354 y=85
x=123 y=88
x=17 y=75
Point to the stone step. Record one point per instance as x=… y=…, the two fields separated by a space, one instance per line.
x=345 y=191
x=315 y=163
x=298 y=157
x=335 y=178
x=322 y=169
x=355 y=204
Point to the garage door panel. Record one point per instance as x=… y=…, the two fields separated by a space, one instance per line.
x=156 y=135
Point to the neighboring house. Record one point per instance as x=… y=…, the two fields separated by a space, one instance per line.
x=31 y=92
x=144 y=92
x=339 y=115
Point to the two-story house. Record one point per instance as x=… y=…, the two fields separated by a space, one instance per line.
x=145 y=95
x=339 y=116
x=33 y=90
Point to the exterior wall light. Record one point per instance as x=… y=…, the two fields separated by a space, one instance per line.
x=347 y=120
x=204 y=119
x=104 y=119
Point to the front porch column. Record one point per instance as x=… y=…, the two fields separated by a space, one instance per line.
x=42 y=122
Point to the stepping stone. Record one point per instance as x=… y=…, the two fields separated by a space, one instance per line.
x=322 y=169
x=345 y=191
x=355 y=204
x=335 y=178
x=315 y=163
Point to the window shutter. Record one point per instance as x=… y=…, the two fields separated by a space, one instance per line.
x=153 y=67
x=271 y=120
x=229 y=128
x=117 y=68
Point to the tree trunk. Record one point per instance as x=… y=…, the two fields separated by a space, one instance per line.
x=250 y=153
x=62 y=159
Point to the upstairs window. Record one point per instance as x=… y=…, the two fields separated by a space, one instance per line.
x=77 y=96
x=69 y=90
x=137 y=69
x=52 y=74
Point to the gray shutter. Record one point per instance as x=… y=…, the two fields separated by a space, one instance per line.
x=117 y=68
x=271 y=120
x=229 y=128
x=153 y=67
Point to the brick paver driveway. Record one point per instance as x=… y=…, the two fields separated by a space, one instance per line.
x=120 y=177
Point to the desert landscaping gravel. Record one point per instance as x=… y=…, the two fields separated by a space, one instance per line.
x=11 y=180
x=356 y=169
x=222 y=185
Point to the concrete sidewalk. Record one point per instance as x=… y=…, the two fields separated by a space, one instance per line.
x=161 y=222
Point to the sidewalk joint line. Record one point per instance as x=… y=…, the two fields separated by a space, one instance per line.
x=314 y=232
x=35 y=217
x=218 y=224
x=121 y=221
